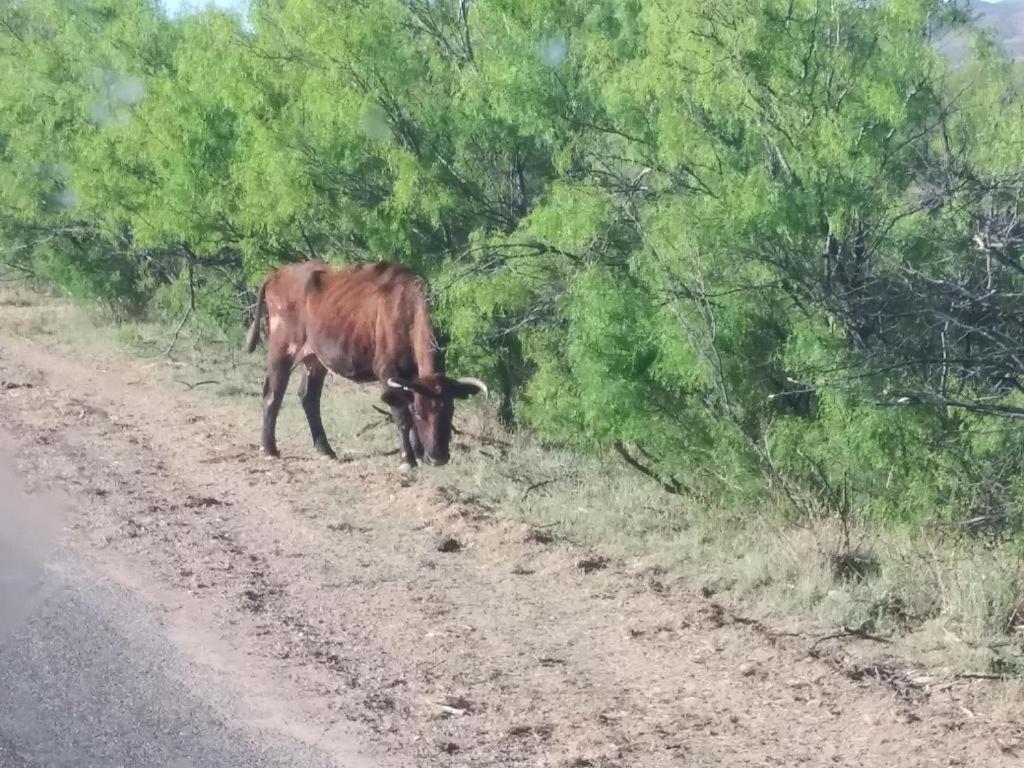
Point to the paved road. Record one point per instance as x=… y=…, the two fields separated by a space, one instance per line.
x=89 y=678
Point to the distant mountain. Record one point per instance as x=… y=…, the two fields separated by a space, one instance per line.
x=1005 y=18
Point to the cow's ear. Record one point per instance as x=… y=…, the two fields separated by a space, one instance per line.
x=397 y=397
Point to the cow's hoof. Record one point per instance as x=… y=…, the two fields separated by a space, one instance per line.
x=270 y=453
x=406 y=468
x=323 y=447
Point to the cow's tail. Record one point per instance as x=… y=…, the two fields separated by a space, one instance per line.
x=252 y=338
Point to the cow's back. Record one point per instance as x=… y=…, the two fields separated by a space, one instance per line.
x=364 y=321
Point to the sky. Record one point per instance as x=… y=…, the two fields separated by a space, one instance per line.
x=177 y=6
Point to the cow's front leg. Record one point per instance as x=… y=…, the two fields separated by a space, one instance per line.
x=417 y=444
x=403 y=420
x=309 y=395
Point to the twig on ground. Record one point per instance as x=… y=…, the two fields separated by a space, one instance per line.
x=984 y=676
x=862 y=634
x=539 y=484
x=670 y=484
x=371 y=426
x=199 y=383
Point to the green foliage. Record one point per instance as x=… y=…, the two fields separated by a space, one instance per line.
x=751 y=246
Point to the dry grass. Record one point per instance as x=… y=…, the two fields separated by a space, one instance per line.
x=945 y=599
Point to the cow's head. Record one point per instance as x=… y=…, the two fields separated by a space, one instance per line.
x=432 y=401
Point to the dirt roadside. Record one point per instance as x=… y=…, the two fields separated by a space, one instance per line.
x=335 y=593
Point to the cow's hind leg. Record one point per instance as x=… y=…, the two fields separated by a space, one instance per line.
x=275 y=384
x=403 y=420
x=311 y=389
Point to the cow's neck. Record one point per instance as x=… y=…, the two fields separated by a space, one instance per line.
x=429 y=356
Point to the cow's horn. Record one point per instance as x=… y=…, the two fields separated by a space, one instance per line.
x=395 y=384
x=475 y=382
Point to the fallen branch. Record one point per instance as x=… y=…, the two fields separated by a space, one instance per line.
x=371 y=426
x=861 y=634
x=539 y=484
x=670 y=484
x=984 y=676
x=199 y=383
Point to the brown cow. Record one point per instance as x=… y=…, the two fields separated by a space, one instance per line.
x=364 y=322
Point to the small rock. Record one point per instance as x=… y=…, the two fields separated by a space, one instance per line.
x=449 y=544
x=550 y=661
x=591 y=564
x=536 y=536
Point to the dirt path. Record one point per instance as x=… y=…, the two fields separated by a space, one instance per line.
x=329 y=589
